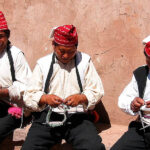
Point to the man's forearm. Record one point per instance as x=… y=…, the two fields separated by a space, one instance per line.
x=42 y=100
x=4 y=93
x=84 y=99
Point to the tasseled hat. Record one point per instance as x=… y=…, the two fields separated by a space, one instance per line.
x=65 y=35
x=3 y=23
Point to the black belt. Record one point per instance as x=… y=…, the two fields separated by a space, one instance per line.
x=41 y=116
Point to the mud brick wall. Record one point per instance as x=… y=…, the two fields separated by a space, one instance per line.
x=110 y=31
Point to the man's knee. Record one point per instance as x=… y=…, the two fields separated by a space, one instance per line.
x=90 y=145
x=96 y=146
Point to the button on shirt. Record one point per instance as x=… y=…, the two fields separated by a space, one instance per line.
x=130 y=92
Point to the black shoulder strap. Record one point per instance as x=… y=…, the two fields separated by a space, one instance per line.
x=11 y=62
x=141 y=74
x=51 y=72
x=49 y=75
x=78 y=76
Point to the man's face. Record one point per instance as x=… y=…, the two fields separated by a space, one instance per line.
x=3 y=41
x=65 y=54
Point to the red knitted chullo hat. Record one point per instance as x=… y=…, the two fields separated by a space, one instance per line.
x=147 y=49
x=3 y=23
x=66 y=35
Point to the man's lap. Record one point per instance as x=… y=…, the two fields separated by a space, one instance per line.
x=80 y=132
x=131 y=140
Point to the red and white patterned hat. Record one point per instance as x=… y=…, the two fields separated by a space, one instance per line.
x=3 y=23
x=66 y=35
x=147 y=49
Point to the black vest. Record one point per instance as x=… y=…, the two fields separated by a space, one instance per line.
x=141 y=74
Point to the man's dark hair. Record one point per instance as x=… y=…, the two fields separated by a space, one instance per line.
x=145 y=54
x=7 y=32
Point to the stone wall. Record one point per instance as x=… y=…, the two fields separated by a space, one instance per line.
x=110 y=31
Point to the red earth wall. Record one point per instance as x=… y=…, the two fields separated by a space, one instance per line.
x=110 y=31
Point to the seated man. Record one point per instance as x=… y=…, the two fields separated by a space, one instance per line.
x=14 y=71
x=135 y=100
x=64 y=86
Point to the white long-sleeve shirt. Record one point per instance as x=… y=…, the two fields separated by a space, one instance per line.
x=130 y=92
x=22 y=73
x=63 y=83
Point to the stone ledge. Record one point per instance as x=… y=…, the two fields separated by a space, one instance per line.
x=109 y=134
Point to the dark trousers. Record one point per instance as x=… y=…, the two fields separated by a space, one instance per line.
x=134 y=139
x=78 y=131
x=7 y=122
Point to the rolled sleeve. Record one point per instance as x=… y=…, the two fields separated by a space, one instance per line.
x=127 y=96
x=93 y=87
x=22 y=74
x=34 y=91
x=16 y=91
x=32 y=99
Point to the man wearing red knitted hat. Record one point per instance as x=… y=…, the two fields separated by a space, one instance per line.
x=13 y=78
x=135 y=100
x=63 y=87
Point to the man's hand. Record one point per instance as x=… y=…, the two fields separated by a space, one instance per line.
x=51 y=100
x=136 y=104
x=4 y=92
x=148 y=104
x=75 y=100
